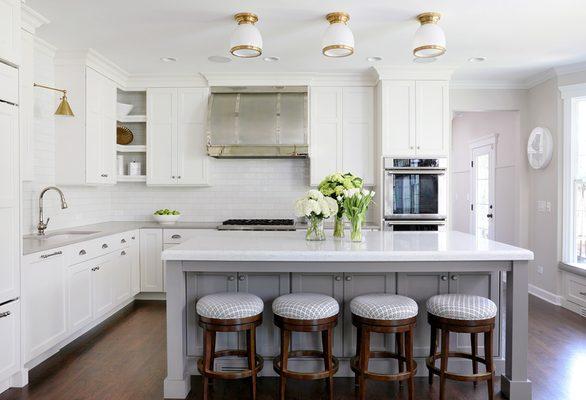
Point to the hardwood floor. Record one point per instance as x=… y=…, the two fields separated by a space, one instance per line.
x=125 y=359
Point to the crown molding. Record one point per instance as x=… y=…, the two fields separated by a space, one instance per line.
x=487 y=85
x=95 y=60
x=142 y=81
x=415 y=72
x=31 y=20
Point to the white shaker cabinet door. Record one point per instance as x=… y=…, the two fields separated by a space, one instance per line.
x=9 y=339
x=102 y=284
x=151 y=265
x=398 y=118
x=161 y=136
x=192 y=159
x=9 y=204
x=79 y=295
x=10 y=31
x=432 y=118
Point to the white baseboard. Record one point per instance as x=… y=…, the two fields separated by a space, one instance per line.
x=545 y=295
x=158 y=296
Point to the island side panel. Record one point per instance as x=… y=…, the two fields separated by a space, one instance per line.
x=178 y=381
x=514 y=383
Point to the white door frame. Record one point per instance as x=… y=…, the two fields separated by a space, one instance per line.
x=488 y=143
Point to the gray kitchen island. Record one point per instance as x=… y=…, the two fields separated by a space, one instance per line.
x=414 y=264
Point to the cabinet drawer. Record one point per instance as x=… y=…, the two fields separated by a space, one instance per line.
x=176 y=236
x=84 y=251
x=576 y=289
x=125 y=239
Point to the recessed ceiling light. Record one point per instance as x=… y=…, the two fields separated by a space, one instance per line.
x=219 y=59
x=271 y=59
x=476 y=59
x=168 y=59
x=374 y=59
x=427 y=60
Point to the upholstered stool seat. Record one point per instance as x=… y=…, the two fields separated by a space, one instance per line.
x=383 y=306
x=305 y=306
x=229 y=312
x=461 y=306
x=229 y=305
x=306 y=312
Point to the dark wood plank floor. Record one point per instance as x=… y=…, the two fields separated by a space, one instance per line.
x=125 y=359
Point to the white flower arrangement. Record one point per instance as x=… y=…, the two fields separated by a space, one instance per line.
x=315 y=204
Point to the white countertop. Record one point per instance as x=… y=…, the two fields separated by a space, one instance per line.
x=376 y=246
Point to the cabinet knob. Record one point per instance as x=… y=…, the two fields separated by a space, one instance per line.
x=348 y=278
x=122 y=253
x=5 y=314
x=582 y=293
x=231 y=278
x=133 y=238
x=104 y=175
x=444 y=278
x=123 y=241
x=338 y=278
x=454 y=277
x=104 y=246
x=176 y=237
x=173 y=177
x=241 y=277
x=82 y=252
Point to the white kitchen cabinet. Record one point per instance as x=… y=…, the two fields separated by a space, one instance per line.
x=134 y=257
x=10 y=31
x=85 y=145
x=415 y=118
x=342 y=132
x=151 y=265
x=80 y=295
x=176 y=139
x=9 y=202
x=26 y=104
x=122 y=276
x=9 y=339
x=44 y=300
x=103 y=284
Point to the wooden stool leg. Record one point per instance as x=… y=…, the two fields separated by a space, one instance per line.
x=358 y=344
x=213 y=344
x=326 y=337
x=489 y=363
x=444 y=363
x=207 y=356
x=400 y=351
x=474 y=346
x=432 y=350
x=409 y=357
x=363 y=366
x=285 y=339
x=251 y=347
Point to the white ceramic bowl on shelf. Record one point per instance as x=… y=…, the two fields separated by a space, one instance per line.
x=166 y=219
x=122 y=110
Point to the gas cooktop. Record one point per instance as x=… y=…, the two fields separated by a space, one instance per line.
x=257 y=225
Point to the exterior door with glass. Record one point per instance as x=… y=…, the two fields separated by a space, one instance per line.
x=482 y=172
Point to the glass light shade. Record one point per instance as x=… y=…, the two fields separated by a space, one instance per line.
x=246 y=41
x=429 y=41
x=338 y=40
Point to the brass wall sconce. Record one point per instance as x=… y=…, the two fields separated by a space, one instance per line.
x=64 y=107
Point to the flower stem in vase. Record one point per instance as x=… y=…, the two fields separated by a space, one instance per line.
x=315 y=229
x=356 y=232
x=339 y=227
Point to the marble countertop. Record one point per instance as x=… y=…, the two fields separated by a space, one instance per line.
x=376 y=246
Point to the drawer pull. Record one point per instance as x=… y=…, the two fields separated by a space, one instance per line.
x=5 y=314
x=123 y=253
x=104 y=246
x=94 y=268
x=176 y=236
x=43 y=256
x=82 y=252
x=123 y=241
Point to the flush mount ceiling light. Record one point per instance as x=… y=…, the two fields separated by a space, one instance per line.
x=246 y=40
x=338 y=40
x=64 y=108
x=429 y=40
x=168 y=59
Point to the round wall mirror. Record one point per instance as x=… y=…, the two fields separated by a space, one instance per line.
x=540 y=148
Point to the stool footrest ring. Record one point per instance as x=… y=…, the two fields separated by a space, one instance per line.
x=483 y=376
x=305 y=375
x=401 y=376
x=247 y=373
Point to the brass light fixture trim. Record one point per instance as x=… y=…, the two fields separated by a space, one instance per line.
x=246 y=18
x=338 y=16
x=64 y=107
x=429 y=18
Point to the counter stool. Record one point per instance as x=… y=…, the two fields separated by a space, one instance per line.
x=383 y=313
x=306 y=312
x=462 y=314
x=229 y=312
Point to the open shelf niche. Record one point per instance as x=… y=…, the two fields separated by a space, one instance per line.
x=136 y=122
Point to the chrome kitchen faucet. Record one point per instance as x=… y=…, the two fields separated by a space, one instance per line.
x=41 y=226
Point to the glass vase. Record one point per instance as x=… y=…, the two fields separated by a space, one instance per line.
x=315 y=229
x=356 y=228
x=339 y=227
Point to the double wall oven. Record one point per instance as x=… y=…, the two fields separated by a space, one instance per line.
x=415 y=194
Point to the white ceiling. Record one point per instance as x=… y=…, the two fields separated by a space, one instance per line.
x=519 y=38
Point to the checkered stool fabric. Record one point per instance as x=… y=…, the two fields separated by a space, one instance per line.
x=229 y=305
x=461 y=306
x=305 y=306
x=383 y=306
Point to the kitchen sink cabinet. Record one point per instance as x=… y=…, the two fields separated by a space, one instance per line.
x=176 y=139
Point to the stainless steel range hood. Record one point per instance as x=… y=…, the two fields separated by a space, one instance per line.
x=258 y=122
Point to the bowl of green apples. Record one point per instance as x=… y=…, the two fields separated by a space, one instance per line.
x=166 y=216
